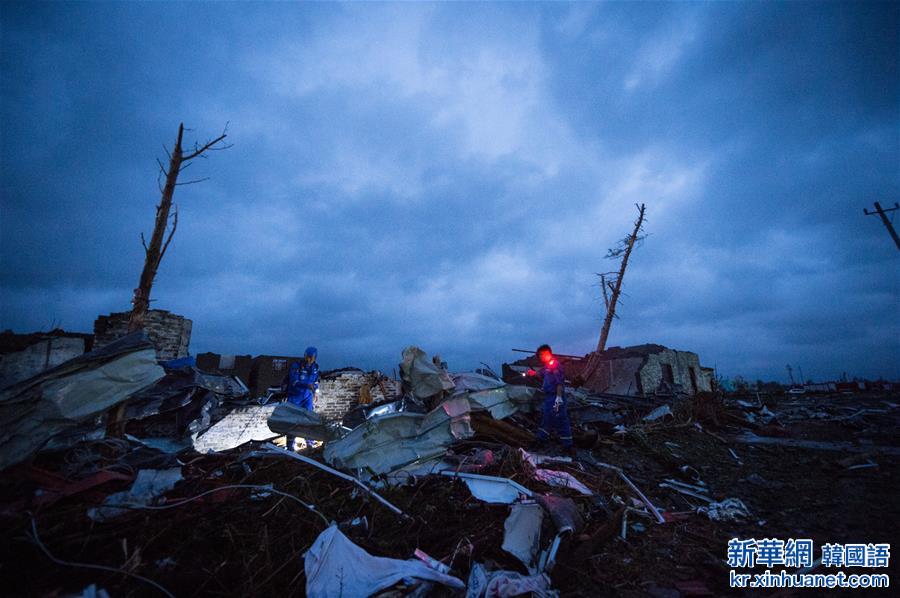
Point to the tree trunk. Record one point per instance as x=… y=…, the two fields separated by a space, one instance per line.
x=611 y=308
x=155 y=251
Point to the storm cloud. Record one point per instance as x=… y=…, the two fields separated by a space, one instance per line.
x=451 y=176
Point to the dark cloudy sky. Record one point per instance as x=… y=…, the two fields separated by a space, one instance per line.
x=452 y=175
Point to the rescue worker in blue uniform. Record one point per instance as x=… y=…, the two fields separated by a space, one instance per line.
x=302 y=383
x=555 y=415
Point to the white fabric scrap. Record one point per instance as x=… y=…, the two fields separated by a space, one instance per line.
x=149 y=484
x=503 y=584
x=335 y=566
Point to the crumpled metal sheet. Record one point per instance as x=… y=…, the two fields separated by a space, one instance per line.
x=423 y=377
x=385 y=443
x=491 y=489
x=474 y=382
x=522 y=533
x=179 y=388
x=496 y=401
x=361 y=413
x=293 y=420
x=54 y=401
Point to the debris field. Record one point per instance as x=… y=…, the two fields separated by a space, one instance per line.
x=436 y=492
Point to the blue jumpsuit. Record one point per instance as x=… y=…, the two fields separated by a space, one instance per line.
x=298 y=391
x=555 y=420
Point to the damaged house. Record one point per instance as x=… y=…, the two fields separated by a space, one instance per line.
x=640 y=370
x=643 y=370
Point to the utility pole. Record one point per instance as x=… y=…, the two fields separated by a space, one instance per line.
x=624 y=249
x=887 y=223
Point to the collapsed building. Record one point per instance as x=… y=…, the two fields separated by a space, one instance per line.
x=641 y=370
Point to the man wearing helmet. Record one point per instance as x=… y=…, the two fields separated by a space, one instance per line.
x=555 y=415
x=302 y=383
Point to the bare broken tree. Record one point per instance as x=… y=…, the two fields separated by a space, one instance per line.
x=614 y=284
x=179 y=160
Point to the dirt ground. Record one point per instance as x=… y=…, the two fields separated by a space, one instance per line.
x=243 y=541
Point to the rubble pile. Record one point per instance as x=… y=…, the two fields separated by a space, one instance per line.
x=125 y=477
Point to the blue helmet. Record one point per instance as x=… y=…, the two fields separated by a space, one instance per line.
x=311 y=352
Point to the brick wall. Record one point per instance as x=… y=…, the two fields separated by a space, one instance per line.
x=681 y=362
x=339 y=391
x=169 y=333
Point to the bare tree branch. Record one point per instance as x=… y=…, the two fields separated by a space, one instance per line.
x=192 y=182
x=209 y=145
x=144 y=243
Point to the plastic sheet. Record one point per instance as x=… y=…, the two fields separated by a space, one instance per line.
x=337 y=567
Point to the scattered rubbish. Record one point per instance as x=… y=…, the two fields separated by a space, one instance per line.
x=148 y=484
x=424 y=379
x=397 y=439
x=336 y=567
x=491 y=489
x=274 y=449
x=563 y=511
x=504 y=584
x=659 y=413
x=698 y=492
x=729 y=509
x=561 y=479
x=193 y=450
x=548 y=557
x=534 y=459
x=431 y=562
x=849 y=447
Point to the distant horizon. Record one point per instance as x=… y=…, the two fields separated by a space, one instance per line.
x=497 y=367
x=452 y=176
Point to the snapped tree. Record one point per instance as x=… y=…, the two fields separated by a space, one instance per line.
x=179 y=160
x=612 y=287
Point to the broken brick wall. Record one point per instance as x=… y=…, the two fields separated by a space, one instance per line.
x=169 y=333
x=655 y=372
x=339 y=391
